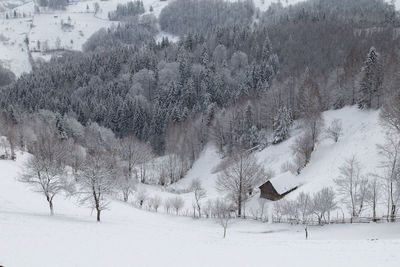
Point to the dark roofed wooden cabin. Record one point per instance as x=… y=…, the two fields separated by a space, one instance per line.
x=268 y=191
x=278 y=187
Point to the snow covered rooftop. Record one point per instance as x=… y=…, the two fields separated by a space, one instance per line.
x=284 y=182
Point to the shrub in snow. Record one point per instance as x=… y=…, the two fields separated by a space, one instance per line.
x=222 y=209
x=141 y=197
x=155 y=202
x=335 y=130
x=177 y=203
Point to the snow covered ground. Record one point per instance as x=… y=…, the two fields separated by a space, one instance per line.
x=131 y=237
x=361 y=133
x=44 y=29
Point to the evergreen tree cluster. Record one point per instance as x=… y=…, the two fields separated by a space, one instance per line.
x=293 y=31
x=6 y=76
x=138 y=89
x=364 y=13
x=135 y=32
x=242 y=81
x=282 y=122
x=185 y=16
x=54 y=4
x=126 y=11
x=371 y=83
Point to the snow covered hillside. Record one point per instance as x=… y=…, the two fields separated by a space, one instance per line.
x=45 y=32
x=131 y=237
x=361 y=133
x=10 y=4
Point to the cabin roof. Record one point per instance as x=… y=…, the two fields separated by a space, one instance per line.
x=284 y=182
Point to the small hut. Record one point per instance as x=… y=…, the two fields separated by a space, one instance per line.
x=279 y=186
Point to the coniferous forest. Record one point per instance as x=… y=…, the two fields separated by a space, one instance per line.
x=236 y=76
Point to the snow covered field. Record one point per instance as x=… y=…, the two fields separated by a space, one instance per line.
x=131 y=237
x=44 y=29
x=128 y=236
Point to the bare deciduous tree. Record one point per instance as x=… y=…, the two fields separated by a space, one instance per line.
x=304 y=202
x=390 y=112
x=277 y=211
x=76 y=157
x=289 y=208
x=239 y=177
x=167 y=205
x=302 y=149
x=125 y=183
x=199 y=194
x=390 y=152
x=335 y=130
x=96 y=181
x=45 y=169
x=373 y=195
x=141 y=197
x=310 y=108
x=352 y=186
x=155 y=202
x=222 y=210
x=177 y=203
x=134 y=153
x=261 y=203
x=323 y=203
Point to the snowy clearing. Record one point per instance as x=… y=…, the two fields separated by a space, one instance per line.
x=131 y=237
x=45 y=30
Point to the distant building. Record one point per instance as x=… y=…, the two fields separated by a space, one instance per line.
x=279 y=186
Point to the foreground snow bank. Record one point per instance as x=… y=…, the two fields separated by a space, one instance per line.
x=129 y=237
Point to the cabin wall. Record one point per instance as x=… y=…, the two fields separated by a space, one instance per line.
x=269 y=192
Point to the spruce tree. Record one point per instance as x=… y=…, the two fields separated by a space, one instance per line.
x=282 y=122
x=371 y=82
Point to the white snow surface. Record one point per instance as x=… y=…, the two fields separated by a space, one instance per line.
x=131 y=237
x=284 y=182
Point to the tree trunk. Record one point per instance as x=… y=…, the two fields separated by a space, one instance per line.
x=393 y=213
x=50 y=201
x=239 y=207
x=98 y=215
x=374 y=210
x=224 y=232
x=12 y=148
x=240 y=187
x=306 y=230
x=51 y=207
